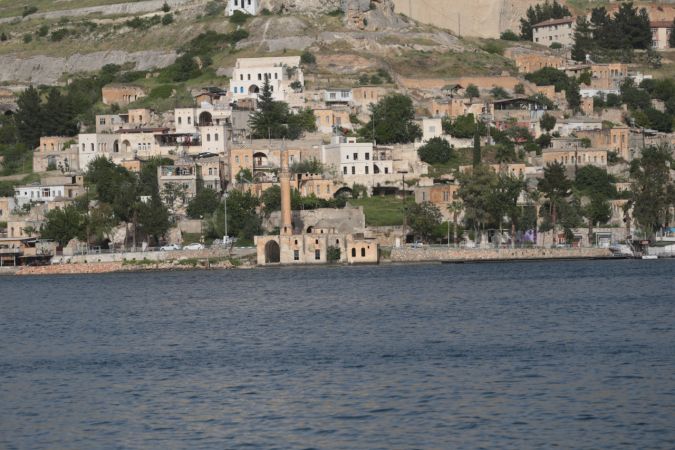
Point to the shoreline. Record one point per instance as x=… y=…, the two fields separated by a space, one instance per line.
x=176 y=265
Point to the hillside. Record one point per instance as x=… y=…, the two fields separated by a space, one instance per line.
x=43 y=49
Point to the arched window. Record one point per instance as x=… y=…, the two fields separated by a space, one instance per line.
x=208 y=137
x=189 y=120
x=92 y=147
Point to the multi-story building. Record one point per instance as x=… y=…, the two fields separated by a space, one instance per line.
x=440 y=195
x=661 y=31
x=56 y=153
x=134 y=118
x=249 y=76
x=337 y=95
x=331 y=118
x=616 y=139
x=121 y=94
x=184 y=174
x=212 y=171
x=360 y=163
x=559 y=31
x=576 y=157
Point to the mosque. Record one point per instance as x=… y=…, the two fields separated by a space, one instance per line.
x=321 y=245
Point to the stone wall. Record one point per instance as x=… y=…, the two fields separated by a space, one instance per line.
x=425 y=254
x=151 y=256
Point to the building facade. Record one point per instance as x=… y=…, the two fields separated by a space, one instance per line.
x=559 y=31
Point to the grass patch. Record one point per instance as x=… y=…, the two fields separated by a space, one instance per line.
x=143 y=262
x=382 y=211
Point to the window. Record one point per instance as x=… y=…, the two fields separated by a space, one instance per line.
x=210 y=171
x=344 y=170
x=276 y=76
x=180 y=120
x=446 y=196
x=353 y=170
x=353 y=253
x=92 y=147
x=296 y=254
x=189 y=120
x=241 y=77
x=236 y=159
x=363 y=252
x=367 y=156
x=356 y=156
x=249 y=77
x=101 y=121
x=386 y=170
x=259 y=77
x=367 y=168
x=208 y=137
x=215 y=137
x=317 y=254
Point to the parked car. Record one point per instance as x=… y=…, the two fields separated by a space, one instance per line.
x=194 y=246
x=169 y=247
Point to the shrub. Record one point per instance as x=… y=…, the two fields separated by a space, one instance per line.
x=509 y=35
x=239 y=18
x=28 y=10
x=163 y=91
x=27 y=38
x=165 y=7
x=167 y=19
x=333 y=254
x=307 y=57
x=556 y=46
x=59 y=35
x=43 y=31
x=214 y=8
x=436 y=151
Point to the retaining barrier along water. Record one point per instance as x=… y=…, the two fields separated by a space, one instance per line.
x=428 y=254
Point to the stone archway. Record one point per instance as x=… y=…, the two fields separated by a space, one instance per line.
x=205 y=119
x=253 y=89
x=272 y=252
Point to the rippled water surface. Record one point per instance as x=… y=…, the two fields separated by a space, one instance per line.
x=513 y=355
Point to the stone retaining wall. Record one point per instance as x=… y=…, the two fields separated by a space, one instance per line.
x=409 y=254
x=140 y=256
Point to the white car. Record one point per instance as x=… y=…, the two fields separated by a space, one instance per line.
x=169 y=247
x=194 y=246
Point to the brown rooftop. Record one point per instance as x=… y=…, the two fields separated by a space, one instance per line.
x=552 y=22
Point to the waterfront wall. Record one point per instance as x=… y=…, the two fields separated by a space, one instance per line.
x=427 y=254
x=152 y=256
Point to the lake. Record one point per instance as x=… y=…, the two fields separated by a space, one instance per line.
x=496 y=355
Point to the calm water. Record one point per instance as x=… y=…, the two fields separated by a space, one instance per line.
x=516 y=355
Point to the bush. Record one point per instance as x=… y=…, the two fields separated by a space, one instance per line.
x=333 y=254
x=556 y=46
x=165 y=7
x=163 y=91
x=436 y=151
x=59 y=35
x=167 y=19
x=28 y=10
x=43 y=31
x=308 y=58
x=509 y=35
x=27 y=38
x=239 y=18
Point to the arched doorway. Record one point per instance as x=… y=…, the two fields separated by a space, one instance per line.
x=253 y=89
x=272 y=252
x=205 y=119
x=116 y=147
x=126 y=146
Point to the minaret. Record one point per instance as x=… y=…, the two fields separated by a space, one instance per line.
x=286 y=227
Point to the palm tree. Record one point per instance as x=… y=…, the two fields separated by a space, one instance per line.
x=455 y=208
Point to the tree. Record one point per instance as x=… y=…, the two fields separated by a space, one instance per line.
x=504 y=200
x=556 y=187
x=166 y=8
x=271 y=200
x=28 y=117
x=173 y=193
x=519 y=89
x=243 y=220
x=671 y=38
x=583 y=39
x=307 y=58
x=547 y=122
x=472 y=92
x=509 y=35
x=499 y=93
x=476 y=154
x=99 y=222
x=153 y=218
x=423 y=218
x=455 y=208
x=596 y=211
x=548 y=76
x=592 y=180
x=651 y=188
x=204 y=203
x=464 y=127
x=573 y=96
x=436 y=151
x=273 y=119
x=63 y=224
x=540 y=13
x=392 y=121
x=475 y=190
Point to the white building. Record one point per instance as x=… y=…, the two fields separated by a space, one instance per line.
x=64 y=187
x=249 y=75
x=340 y=95
x=245 y=6
x=554 y=30
x=359 y=162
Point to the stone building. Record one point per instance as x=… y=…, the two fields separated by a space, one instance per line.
x=559 y=31
x=121 y=94
x=661 y=31
x=56 y=153
x=616 y=139
x=182 y=173
x=320 y=245
x=249 y=76
x=50 y=190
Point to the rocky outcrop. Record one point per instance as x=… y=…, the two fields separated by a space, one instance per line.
x=44 y=69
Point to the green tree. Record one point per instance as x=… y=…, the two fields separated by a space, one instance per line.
x=556 y=187
x=573 y=96
x=307 y=58
x=472 y=92
x=28 y=117
x=436 y=151
x=504 y=200
x=271 y=200
x=63 y=224
x=153 y=218
x=475 y=190
x=540 y=13
x=597 y=211
x=671 y=38
x=509 y=35
x=203 y=204
x=583 y=39
x=99 y=222
x=464 y=127
x=274 y=120
x=243 y=220
x=455 y=208
x=499 y=93
x=392 y=121
x=652 y=188
x=547 y=122
x=592 y=180
x=548 y=76
x=423 y=218
x=476 y=154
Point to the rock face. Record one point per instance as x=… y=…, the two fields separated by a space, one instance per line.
x=49 y=70
x=482 y=18
x=359 y=14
